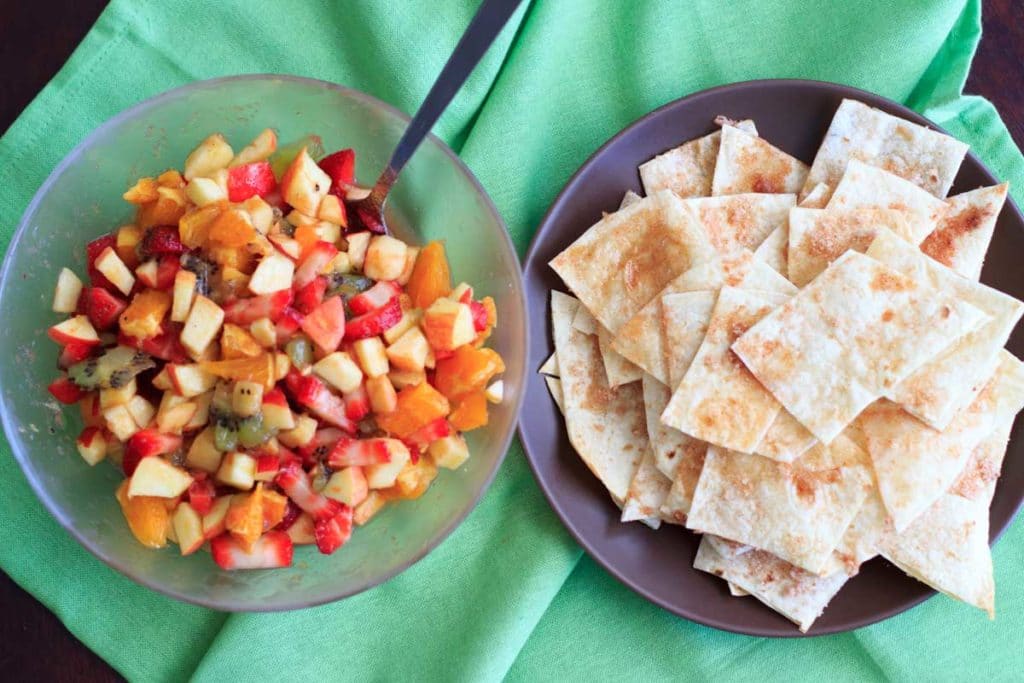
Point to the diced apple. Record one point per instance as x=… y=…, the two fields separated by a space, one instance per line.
x=212 y=154
x=262 y=146
x=372 y=357
x=119 y=396
x=190 y=380
x=302 y=434
x=114 y=269
x=382 y=476
x=264 y=333
x=127 y=239
x=401 y=379
x=65 y=296
x=340 y=264
x=202 y=414
x=184 y=293
x=282 y=364
x=162 y=380
x=410 y=318
x=92 y=445
x=347 y=486
x=449 y=452
x=303 y=530
x=237 y=469
x=297 y=218
x=77 y=329
x=340 y=371
x=496 y=392
x=202 y=325
x=287 y=246
x=215 y=521
x=448 y=324
x=156 y=477
x=409 y=352
x=172 y=420
x=410 y=262
x=148 y=272
x=247 y=398
x=203 y=191
x=327 y=232
x=262 y=214
x=278 y=417
x=358 y=242
x=273 y=274
x=460 y=291
x=120 y=422
x=365 y=511
x=188 y=527
x=385 y=258
x=142 y=411
x=304 y=184
x=203 y=454
x=383 y=398
x=332 y=210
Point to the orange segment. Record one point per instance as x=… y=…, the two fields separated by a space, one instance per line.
x=238 y=258
x=470 y=412
x=413 y=481
x=245 y=517
x=144 y=190
x=416 y=407
x=194 y=227
x=167 y=209
x=146 y=516
x=143 y=316
x=274 y=507
x=232 y=228
x=467 y=370
x=170 y=178
x=430 y=277
x=236 y=342
x=256 y=369
x=306 y=236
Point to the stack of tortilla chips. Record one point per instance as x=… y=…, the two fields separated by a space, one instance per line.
x=797 y=362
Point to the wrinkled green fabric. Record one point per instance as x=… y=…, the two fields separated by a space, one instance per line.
x=507 y=595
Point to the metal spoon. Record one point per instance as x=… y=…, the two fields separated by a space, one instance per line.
x=481 y=32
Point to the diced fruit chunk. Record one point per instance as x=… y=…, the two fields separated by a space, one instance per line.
x=190 y=379
x=294 y=481
x=143 y=316
x=183 y=294
x=65 y=391
x=188 y=527
x=385 y=258
x=383 y=475
x=204 y=191
x=113 y=268
x=333 y=533
x=214 y=520
x=326 y=324
x=271 y=551
x=273 y=274
x=236 y=342
x=92 y=445
x=146 y=516
x=409 y=352
x=469 y=369
x=211 y=155
x=417 y=406
x=304 y=184
x=371 y=356
x=448 y=325
x=120 y=422
x=340 y=371
x=347 y=486
x=414 y=479
x=383 y=398
x=203 y=453
x=302 y=434
x=245 y=517
x=358 y=243
x=247 y=398
x=154 y=476
x=366 y=510
x=65 y=296
x=470 y=412
x=201 y=326
x=496 y=392
x=261 y=147
x=449 y=452
x=250 y=180
x=430 y=279
x=237 y=469
x=74 y=330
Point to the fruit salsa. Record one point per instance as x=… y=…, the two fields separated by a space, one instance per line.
x=264 y=371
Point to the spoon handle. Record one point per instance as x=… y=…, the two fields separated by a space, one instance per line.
x=481 y=32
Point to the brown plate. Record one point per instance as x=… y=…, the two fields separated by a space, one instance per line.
x=794 y=116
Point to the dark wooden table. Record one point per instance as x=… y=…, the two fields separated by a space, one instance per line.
x=35 y=40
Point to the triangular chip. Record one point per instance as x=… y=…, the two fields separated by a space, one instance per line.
x=798 y=514
x=606 y=426
x=584 y=322
x=672 y=449
x=786 y=440
x=555 y=388
x=867 y=186
x=718 y=400
x=688 y=169
x=923 y=156
x=817 y=198
x=684 y=324
x=943 y=386
x=775 y=249
x=978 y=479
x=818 y=237
x=646 y=493
x=550 y=366
x=747 y=163
x=858 y=329
x=963 y=235
x=624 y=260
x=617 y=369
x=629 y=199
x=741 y=221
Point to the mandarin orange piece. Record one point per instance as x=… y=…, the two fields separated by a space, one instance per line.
x=256 y=369
x=470 y=412
x=232 y=228
x=467 y=370
x=143 y=316
x=430 y=277
x=245 y=517
x=417 y=406
x=274 y=507
x=144 y=190
x=146 y=516
x=194 y=226
x=236 y=342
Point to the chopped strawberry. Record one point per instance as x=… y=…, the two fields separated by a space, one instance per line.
x=267 y=463
x=357 y=403
x=201 y=493
x=428 y=434
x=270 y=551
x=314 y=263
x=275 y=397
x=249 y=180
x=341 y=166
x=74 y=352
x=369 y=219
x=320 y=446
x=375 y=322
x=165 y=346
x=312 y=295
x=291 y=513
x=146 y=443
x=92 y=252
x=102 y=307
x=332 y=533
x=66 y=391
x=467 y=296
x=248 y=311
x=310 y=393
x=168 y=267
x=479 y=315
x=161 y=240
x=373 y=298
x=294 y=481
x=287 y=325
x=325 y=325
x=361 y=452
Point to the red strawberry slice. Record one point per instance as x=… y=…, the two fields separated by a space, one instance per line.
x=291 y=513
x=165 y=346
x=162 y=239
x=325 y=325
x=320 y=446
x=310 y=393
x=248 y=311
x=167 y=268
x=66 y=391
x=361 y=452
x=373 y=298
x=201 y=494
x=369 y=219
x=467 y=296
x=314 y=263
x=146 y=443
x=375 y=322
x=294 y=481
x=428 y=434
x=92 y=252
x=74 y=352
x=249 y=180
x=479 y=315
x=357 y=403
x=267 y=463
x=275 y=397
x=102 y=307
x=312 y=295
x=287 y=325
x=341 y=166
x=332 y=533
x=272 y=550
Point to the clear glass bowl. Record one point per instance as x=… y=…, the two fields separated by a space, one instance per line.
x=437 y=197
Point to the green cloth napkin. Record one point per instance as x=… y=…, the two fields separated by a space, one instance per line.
x=509 y=595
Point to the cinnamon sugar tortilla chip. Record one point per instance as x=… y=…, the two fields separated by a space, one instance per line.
x=978 y=479
x=718 y=400
x=550 y=366
x=688 y=169
x=817 y=198
x=818 y=237
x=747 y=163
x=854 y=332
x=964 y=233
x=583 y=321
x=629 y=198
x=741 y=221
x=555 y=388
x=939 y=389
x=606 y=426
x=867 y=186
x=793 y=512
x=646 y=493
x=923 y=156
x=684 y=323
x=775 y=249
x=674 y=452
x=786 y=439
x=624 y=260
x=617 y=369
